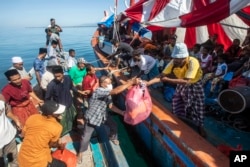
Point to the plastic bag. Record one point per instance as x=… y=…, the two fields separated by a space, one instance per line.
x=66 y=156
x=138 y=105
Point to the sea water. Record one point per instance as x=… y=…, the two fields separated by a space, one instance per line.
x=25 y=42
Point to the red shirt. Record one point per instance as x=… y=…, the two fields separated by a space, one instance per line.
x=90 y=82
x=15 y=95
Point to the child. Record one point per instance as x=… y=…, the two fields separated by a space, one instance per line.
x=218 y=75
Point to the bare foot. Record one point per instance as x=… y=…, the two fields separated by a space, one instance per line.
x=79 y=158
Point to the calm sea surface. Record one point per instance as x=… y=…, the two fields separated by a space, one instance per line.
x=25 y=42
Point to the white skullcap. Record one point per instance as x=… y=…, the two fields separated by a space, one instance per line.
x=180 y=51
x=17 y=59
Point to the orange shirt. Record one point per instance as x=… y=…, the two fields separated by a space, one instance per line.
x=38 y=131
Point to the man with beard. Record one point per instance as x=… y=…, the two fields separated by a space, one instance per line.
x=185 y=71
x=41 y=132
x=18 y=65
x=18 y=93
x=59 y=90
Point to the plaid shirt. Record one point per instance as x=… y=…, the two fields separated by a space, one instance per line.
x=96 y=113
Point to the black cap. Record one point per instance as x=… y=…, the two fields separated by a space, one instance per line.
x=51 y=107
x=42 y=50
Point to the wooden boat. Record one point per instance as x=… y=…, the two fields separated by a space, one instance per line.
x=172 y=141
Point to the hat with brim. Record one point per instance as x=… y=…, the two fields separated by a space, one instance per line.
x=180 y=51
x=51 y=108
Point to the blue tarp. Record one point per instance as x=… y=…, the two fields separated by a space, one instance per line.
x=108 y=23
x=139 y=28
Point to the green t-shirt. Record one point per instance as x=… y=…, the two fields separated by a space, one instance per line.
x=77 y=75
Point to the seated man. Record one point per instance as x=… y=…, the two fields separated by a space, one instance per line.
x=218 y=75
x=41 y=132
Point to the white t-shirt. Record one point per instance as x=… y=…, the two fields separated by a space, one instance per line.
x=7 y=130
x=71 y=62
x=146 y=63
x=220 y=68
x=23 y=72
x=46 y=78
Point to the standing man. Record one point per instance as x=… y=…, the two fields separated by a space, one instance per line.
x=8 y=145
x=41 y=132
x=54 y=27
x=78 y=72
x=185 y=71
x=97 y=114
x=52 y=37
x=17 y=63
x=59 y=90
x=53 y=53
x=38 y=65
x=18 y=93
x=71 y=62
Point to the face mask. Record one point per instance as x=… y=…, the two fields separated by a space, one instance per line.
x=109 y=87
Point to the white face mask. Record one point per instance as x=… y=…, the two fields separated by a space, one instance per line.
x=109 y=87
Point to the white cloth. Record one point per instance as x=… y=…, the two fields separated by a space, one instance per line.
x=145 y=64
x=46 y=78
x=53 y=54
x=22 y=72
x=71 y=62
x=220 y=68
x=7 y=130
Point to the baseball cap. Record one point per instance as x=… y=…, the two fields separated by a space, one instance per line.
x=180 y=51
x=51 y=107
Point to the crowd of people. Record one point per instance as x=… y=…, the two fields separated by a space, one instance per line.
x=190 y=75
x=79 y=99
x=68 y=96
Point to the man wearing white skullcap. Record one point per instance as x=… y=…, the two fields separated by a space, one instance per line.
x=185 y=71
x=17 y=63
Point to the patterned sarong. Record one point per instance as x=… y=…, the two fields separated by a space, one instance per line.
x=24 y=110
x=68 y=117
x=188 y=101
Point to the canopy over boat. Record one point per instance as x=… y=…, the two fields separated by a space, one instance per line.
x=228 y=18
